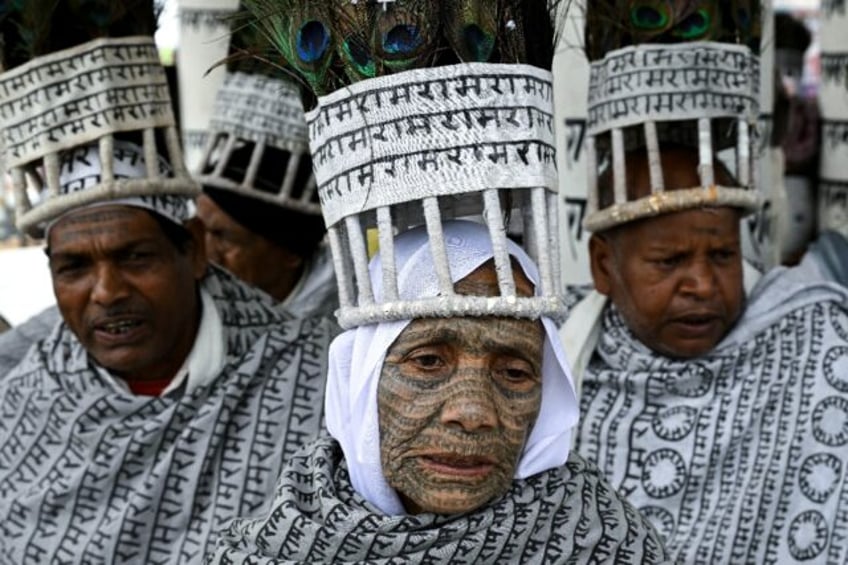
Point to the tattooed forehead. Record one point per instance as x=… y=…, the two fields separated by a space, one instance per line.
x=478 y=333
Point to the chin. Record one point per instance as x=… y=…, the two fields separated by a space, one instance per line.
x=688 y=351
x=455 y=505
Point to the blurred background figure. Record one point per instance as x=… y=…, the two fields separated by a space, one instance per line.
x=260 y=201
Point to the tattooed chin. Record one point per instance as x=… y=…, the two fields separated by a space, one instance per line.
x=446 y=482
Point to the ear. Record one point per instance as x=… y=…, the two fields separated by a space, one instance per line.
x=601 y=262
x=197 y=250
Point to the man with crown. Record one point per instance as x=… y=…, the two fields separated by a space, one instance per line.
x=449 y=404
x=260 y=201
x=721 y=415
x=165 y=400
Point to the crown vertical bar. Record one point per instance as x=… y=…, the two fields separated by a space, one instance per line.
x=253 y=166
x=359 y=253
x=433 y=217
x=592 y=174
x=654 y=158
x=618 y=166
x=541 y=226
x=743 y=152
x=52 y=171
x=106 y=145
x=345 y=281
x=553 y=239
x=497 y=231
x=387 y=254
x=291 y=175
x=175 y=154
x=705 y=150
x=151 y=156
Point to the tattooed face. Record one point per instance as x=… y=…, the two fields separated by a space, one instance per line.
x=125 y=290
x=457 y=399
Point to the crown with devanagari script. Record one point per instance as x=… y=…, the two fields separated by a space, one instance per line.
x=428 y=145
x=257 y=144
x=82 y=97
x=404 y=134
x=680 y=73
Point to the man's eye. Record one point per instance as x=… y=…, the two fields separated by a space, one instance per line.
x=669 y=262
x=723 y=255
x=68 y=268
x=138 y=256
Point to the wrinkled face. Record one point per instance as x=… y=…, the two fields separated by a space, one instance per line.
x=457 y=399
x=249 y=256
x=676 y=278
x=126 y=291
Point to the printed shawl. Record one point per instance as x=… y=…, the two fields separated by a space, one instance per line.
x=569 y=514
x=738 y=456
x=90 y=474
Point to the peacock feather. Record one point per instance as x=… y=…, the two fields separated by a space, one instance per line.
x=356 y=54
x=405 y=35
x=612 y=24
x=300 y=31
x=471 y=29
x=703 y=23
x=353 y=40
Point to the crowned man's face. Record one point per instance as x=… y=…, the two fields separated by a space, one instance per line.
x=127 y=292
x=249 y=256
x=675 y=278
x=457 y=399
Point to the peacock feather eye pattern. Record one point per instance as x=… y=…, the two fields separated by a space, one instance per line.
x=313 y=41
x=471 y=28
x=650 y=16
x=697 y=26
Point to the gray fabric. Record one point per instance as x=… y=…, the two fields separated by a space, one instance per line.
x=738 y=456
x=830 y=252
x=15 y=343
x=569 y=514
x=317 y=293
x=90 y=474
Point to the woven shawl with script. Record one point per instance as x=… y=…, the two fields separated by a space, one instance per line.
x=738 y=456
x=564 y=515
x=92 y=475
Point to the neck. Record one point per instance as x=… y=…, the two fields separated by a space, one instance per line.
x=281 y=287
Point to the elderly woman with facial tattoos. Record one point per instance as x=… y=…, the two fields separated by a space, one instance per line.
x=450 y=443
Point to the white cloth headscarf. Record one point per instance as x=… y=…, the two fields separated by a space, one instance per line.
x=357 y=355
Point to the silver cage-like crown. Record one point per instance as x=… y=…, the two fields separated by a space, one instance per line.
x=257 y=112
x=425 y=146
x=82 y=95
x=701 y=94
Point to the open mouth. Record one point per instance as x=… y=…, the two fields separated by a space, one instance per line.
x=696 y=324
x=119 y=332
x=120 y=327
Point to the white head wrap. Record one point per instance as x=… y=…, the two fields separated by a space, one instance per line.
x=357 y=355
x=81 y=170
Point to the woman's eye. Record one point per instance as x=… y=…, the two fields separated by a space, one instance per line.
x=428 y=361
x=517 y=373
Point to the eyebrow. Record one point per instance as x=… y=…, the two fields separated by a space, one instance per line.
x=72 y=254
